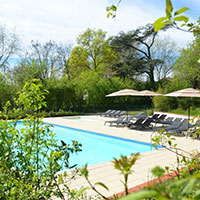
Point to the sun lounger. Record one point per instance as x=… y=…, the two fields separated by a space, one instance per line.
x=140 y=115
x=104 y=113
x=136 y=123
x=127 y=120
x=160 y=118
x=145 y=124
x=117 y=122
x=167 y=121
x=177 y=120
x=110 y=113
x=115 y=114
x=122 y=113
x=185 y=127
x=175 y=125
x=155 y=116
x=118 y=113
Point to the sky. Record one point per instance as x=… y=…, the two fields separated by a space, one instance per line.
x=64 y=20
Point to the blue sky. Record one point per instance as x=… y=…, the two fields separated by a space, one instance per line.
x=64 y=20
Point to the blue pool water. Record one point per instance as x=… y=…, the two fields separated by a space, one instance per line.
x=97 y=148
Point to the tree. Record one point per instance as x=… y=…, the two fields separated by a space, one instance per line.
x=9 y=46
x=64 y=51
x=129 y=66
x=187 y=68
x=43 y=61
x=92 y=53
x=50 y=56
x=25 y=71
x=7 y=91
x=136 y=45
x=165 y=50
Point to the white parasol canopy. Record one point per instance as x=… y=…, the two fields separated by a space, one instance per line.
x=149 y=93
x=188 y=92
x=124 y=92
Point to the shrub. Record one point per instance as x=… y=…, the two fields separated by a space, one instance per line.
x=30 y=157
x=163 y=103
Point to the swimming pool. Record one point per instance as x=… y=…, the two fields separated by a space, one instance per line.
x=84 y=119
x=98 y=148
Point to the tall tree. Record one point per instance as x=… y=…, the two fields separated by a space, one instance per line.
x=43 y=61
x=26 y=71
x=136 y=46
x=93 y=52
x=64 y=51
x=9 y=45
x=187 y=68
x=51 y=56
x=7 y=91
x=165 y=50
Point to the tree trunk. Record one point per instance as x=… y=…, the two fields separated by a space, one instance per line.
x=151 y=77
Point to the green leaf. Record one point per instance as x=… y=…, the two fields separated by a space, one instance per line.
x=159 y=26
x=103 y=185
x=169 y=8
x=141 y=195
x=166 y=168
x=109 y=14
x=108 y=8
x=80 y=192
x=158 y=171
x=197 y=194
x=189 y=186
x=158 y=21
x=198 y=60
x=181 y=18
x=178 y=12
x=84 y=171
x=113 y=8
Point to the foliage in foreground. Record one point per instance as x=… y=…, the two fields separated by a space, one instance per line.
x=185 y=185
x=30 y=157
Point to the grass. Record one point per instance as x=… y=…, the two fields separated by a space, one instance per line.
x=193 y=112
x=147 y=111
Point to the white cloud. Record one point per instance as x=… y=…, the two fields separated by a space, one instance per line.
x=64 y=20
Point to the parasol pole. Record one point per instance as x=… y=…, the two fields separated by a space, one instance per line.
x=189 y=102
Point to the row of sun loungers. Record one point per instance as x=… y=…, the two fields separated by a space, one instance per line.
x=112 y=113
x=179 y=126
x=126 y=120
x=174 y=125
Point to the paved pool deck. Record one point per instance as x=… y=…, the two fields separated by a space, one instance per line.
x=105 y=172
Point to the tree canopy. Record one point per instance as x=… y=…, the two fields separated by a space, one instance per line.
x=93 y=52
x=9 y=46
x=187 y=68
x=135 y=49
